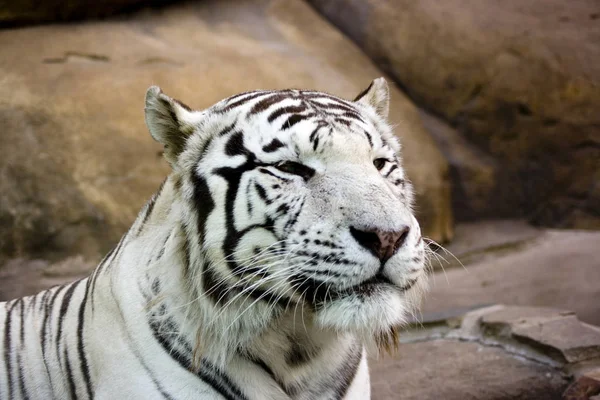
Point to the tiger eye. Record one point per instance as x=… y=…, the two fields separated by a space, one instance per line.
x=379 y=163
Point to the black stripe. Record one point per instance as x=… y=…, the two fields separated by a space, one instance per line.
x=64 y=306
x=338 y=106
x=157 y=384
x=273 y=146
x=294 y=119
x=289 y=390
x=46 y=325
x=286 y=110
x=213 y=286
x=70 y=380
x=264 y=104
x=8 y=343
x=22 y=387
x=392 y=169
x=237 y=96
x=262 y=193
x=369 y=138
x=298 y=354
x=85 y=371
x=112 y=255
x=322 y=95
x=346 y=374
x=203 y=203
x=343 y=121
x=149 y=208
x=315 y=291
x=208 y=373
x=364 y=92
x=292 y=220
x=240 y=102
x=235 y=145
x=266 y=171
x=186 y=255
x=220 y=382
x=224 y=132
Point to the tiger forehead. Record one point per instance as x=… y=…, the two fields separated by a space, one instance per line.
x=282 y=103
x=284 y=109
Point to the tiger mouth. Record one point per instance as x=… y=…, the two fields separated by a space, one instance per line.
x=377 y=282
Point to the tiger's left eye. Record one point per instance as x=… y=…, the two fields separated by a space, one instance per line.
x=379 y=163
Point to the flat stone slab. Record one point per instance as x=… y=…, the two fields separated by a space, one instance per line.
x=557 y=269
x=558 y=333
x=493 y=352
x=454 y=370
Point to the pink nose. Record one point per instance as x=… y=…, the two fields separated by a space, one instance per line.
x=383 y=244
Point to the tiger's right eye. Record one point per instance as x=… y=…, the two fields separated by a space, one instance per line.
x=379 y=163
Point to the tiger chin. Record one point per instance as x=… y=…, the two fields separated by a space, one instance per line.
x=282 y=244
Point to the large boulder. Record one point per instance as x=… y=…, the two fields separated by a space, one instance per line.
x=31 y=11
x=77 y=162
x=520 y=80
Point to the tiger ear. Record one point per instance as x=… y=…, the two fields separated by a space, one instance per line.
x=170 y=122
x=377 y=95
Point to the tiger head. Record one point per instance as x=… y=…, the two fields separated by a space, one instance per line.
x=297 y=197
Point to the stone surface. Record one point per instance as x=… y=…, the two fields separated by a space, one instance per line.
x=559 y=334
x=557 y=269
x=586 y=387
x=77 y=160
x=519 y=80
x=19 y=277
x=31 y=11
x=475 y=240
x=472 y=171
x=493 y=352
x=454 y=370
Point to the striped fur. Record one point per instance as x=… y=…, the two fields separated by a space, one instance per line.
x=250 y=274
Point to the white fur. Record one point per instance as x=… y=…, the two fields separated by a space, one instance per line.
x=127 y=361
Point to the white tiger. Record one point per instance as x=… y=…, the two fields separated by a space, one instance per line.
x=281 y=245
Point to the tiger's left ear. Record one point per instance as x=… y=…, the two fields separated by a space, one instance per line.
x=377 y=95
x=170 y=122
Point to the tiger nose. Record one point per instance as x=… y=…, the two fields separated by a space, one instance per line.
x=383 y=244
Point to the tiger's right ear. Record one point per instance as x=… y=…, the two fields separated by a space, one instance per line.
x=170 y=122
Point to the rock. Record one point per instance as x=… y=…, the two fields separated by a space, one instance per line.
x=520 y=81
x=494 y=352
x=454 y=370
x=473 y=172
x=553 y=269
x=475 y=240
x=78 y=162
x=23 y=12
x=20 y=276
x=556 y=332
x=586 y=387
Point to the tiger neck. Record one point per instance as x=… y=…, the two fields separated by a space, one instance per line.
x=195 y=326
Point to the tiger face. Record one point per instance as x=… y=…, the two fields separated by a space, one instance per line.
x=297 y=199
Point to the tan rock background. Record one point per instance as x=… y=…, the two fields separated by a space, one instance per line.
x=520 y=81
x=78 y=162
x=497 y=105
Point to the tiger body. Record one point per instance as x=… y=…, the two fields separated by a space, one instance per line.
x=272 y=256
